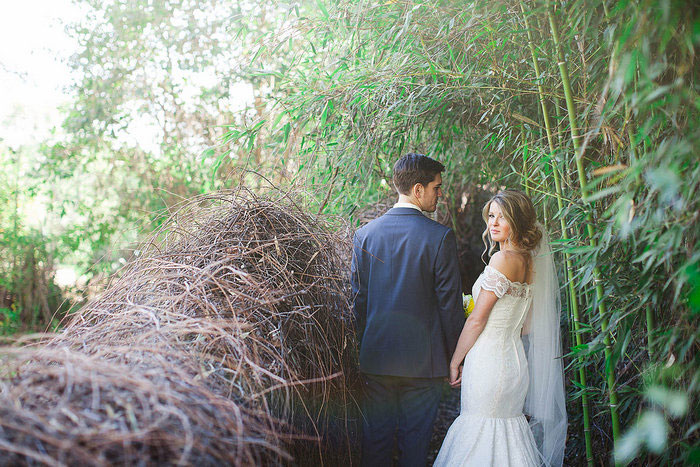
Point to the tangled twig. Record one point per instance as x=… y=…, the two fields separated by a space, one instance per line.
x=226 y=339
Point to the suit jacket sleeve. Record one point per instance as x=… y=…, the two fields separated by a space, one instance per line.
x=448 y=288
x=358 y=278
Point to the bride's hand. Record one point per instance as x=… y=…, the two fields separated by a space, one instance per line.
x=455 y=375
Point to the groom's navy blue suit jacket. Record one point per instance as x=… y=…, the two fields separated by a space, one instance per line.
x=408 y=295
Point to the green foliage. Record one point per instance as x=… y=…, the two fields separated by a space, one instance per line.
x=29 y=298
x=158 y=87
x=453 y=79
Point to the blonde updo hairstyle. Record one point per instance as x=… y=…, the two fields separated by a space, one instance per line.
x=518 y=210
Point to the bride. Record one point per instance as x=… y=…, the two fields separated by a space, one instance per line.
x=517 y=302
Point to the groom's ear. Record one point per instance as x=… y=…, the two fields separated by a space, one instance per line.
x=417 y=190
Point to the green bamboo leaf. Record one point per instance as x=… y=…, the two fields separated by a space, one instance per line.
x=257 y=126
x=322 y=7
x=215 y=167
x=525 y=152
x=276 y=121
x=675 y=402
x=257 y=54
x=324 y=114
x=287 y=128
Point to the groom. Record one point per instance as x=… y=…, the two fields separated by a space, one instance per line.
x=408 y=307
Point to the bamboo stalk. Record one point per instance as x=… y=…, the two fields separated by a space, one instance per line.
x=525 y=169
x=634 y=156
x=573 y=296
x=651 y=325
x=602 y=310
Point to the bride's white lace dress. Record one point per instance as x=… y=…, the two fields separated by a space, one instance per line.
x=491 y=429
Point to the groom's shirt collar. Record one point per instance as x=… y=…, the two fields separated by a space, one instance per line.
x=407 y=205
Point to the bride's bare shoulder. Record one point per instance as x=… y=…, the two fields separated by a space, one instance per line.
x=510 y=264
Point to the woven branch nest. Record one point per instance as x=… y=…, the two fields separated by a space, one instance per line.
x=227 y=339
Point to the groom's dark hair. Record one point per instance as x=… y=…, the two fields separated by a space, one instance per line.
x=415 y=168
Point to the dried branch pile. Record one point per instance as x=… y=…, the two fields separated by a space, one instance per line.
x=226 y=340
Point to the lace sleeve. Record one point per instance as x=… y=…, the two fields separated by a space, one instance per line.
x=495 y=281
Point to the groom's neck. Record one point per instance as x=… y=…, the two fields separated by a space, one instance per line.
x=408 y=199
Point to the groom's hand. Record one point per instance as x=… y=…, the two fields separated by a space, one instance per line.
x=455 y=376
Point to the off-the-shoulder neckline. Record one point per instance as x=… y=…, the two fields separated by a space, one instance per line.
x=523 y=284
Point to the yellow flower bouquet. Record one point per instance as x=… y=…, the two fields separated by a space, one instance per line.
x=467 y=304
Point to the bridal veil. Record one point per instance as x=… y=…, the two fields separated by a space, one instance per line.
x=546 y=401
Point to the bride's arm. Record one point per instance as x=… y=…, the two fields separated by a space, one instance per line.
x=492 y=288
x=471 y=331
